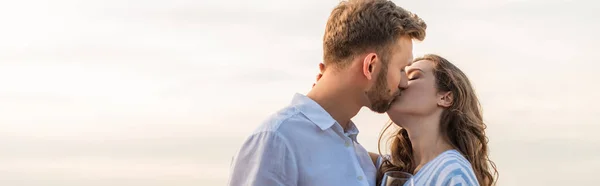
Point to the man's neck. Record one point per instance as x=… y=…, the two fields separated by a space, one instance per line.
x=340 y=101
x=426 y=139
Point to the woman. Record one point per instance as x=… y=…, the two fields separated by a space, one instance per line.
x=440 y=137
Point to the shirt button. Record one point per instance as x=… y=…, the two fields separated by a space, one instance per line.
x=347 y=144
x=360 y=178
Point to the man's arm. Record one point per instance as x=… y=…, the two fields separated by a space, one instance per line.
x=374 y=158
x=264 y=159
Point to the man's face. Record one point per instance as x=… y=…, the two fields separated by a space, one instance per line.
x=392 y=77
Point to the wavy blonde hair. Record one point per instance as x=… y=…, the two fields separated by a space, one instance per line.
x=461 y=125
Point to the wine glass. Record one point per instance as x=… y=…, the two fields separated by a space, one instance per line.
x=397 y=178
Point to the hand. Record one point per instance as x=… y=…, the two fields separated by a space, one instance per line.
x=321 y=70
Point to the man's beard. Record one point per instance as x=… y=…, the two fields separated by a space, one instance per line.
x=380 y=96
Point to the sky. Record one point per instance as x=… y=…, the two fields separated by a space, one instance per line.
x=157 y=92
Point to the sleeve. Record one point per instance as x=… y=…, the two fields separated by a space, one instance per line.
x=379 y=162
x=454 y=173
x=460 y=180
x=264 y=159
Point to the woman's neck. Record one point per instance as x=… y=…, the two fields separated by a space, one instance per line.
x=426 y=139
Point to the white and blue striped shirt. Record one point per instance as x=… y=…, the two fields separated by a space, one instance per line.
x=450 y=168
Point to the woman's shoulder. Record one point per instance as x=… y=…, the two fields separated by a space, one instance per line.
x=453 y=156
x=452 y=168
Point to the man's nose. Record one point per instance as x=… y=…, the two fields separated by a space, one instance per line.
x=402 y=88
x=403 y=81
x=403 y=84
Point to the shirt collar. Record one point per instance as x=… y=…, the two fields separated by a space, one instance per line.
x=352 y=131
x=315 y=113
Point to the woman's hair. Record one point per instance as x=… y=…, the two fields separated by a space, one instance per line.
x=461 y=125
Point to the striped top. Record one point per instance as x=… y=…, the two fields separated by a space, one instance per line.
x=450 y=168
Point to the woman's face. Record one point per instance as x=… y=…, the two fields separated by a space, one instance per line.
x=421 y=97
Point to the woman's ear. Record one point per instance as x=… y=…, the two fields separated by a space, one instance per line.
x=445 y=99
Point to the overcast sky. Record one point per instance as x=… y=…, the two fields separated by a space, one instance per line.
x=163 y=92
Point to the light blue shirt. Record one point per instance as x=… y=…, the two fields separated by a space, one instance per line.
x=450 y=168
x=302 y=145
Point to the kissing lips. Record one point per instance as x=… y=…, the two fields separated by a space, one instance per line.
x=396 y=97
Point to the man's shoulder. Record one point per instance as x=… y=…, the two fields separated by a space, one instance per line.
x=284 y=120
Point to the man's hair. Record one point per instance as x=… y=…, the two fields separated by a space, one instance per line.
x=356 y=26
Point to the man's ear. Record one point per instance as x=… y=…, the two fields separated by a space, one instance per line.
x=321 y=68
x=321 y=71
x=369 y=65
x=445 y=99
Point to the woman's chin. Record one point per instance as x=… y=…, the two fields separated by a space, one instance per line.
x=396 y=115
x=397 y=108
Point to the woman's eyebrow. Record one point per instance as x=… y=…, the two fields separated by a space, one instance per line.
x=413 y=69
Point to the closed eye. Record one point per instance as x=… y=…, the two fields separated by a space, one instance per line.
x=414 y=74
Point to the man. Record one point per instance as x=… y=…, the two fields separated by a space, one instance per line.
x=312 y=142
